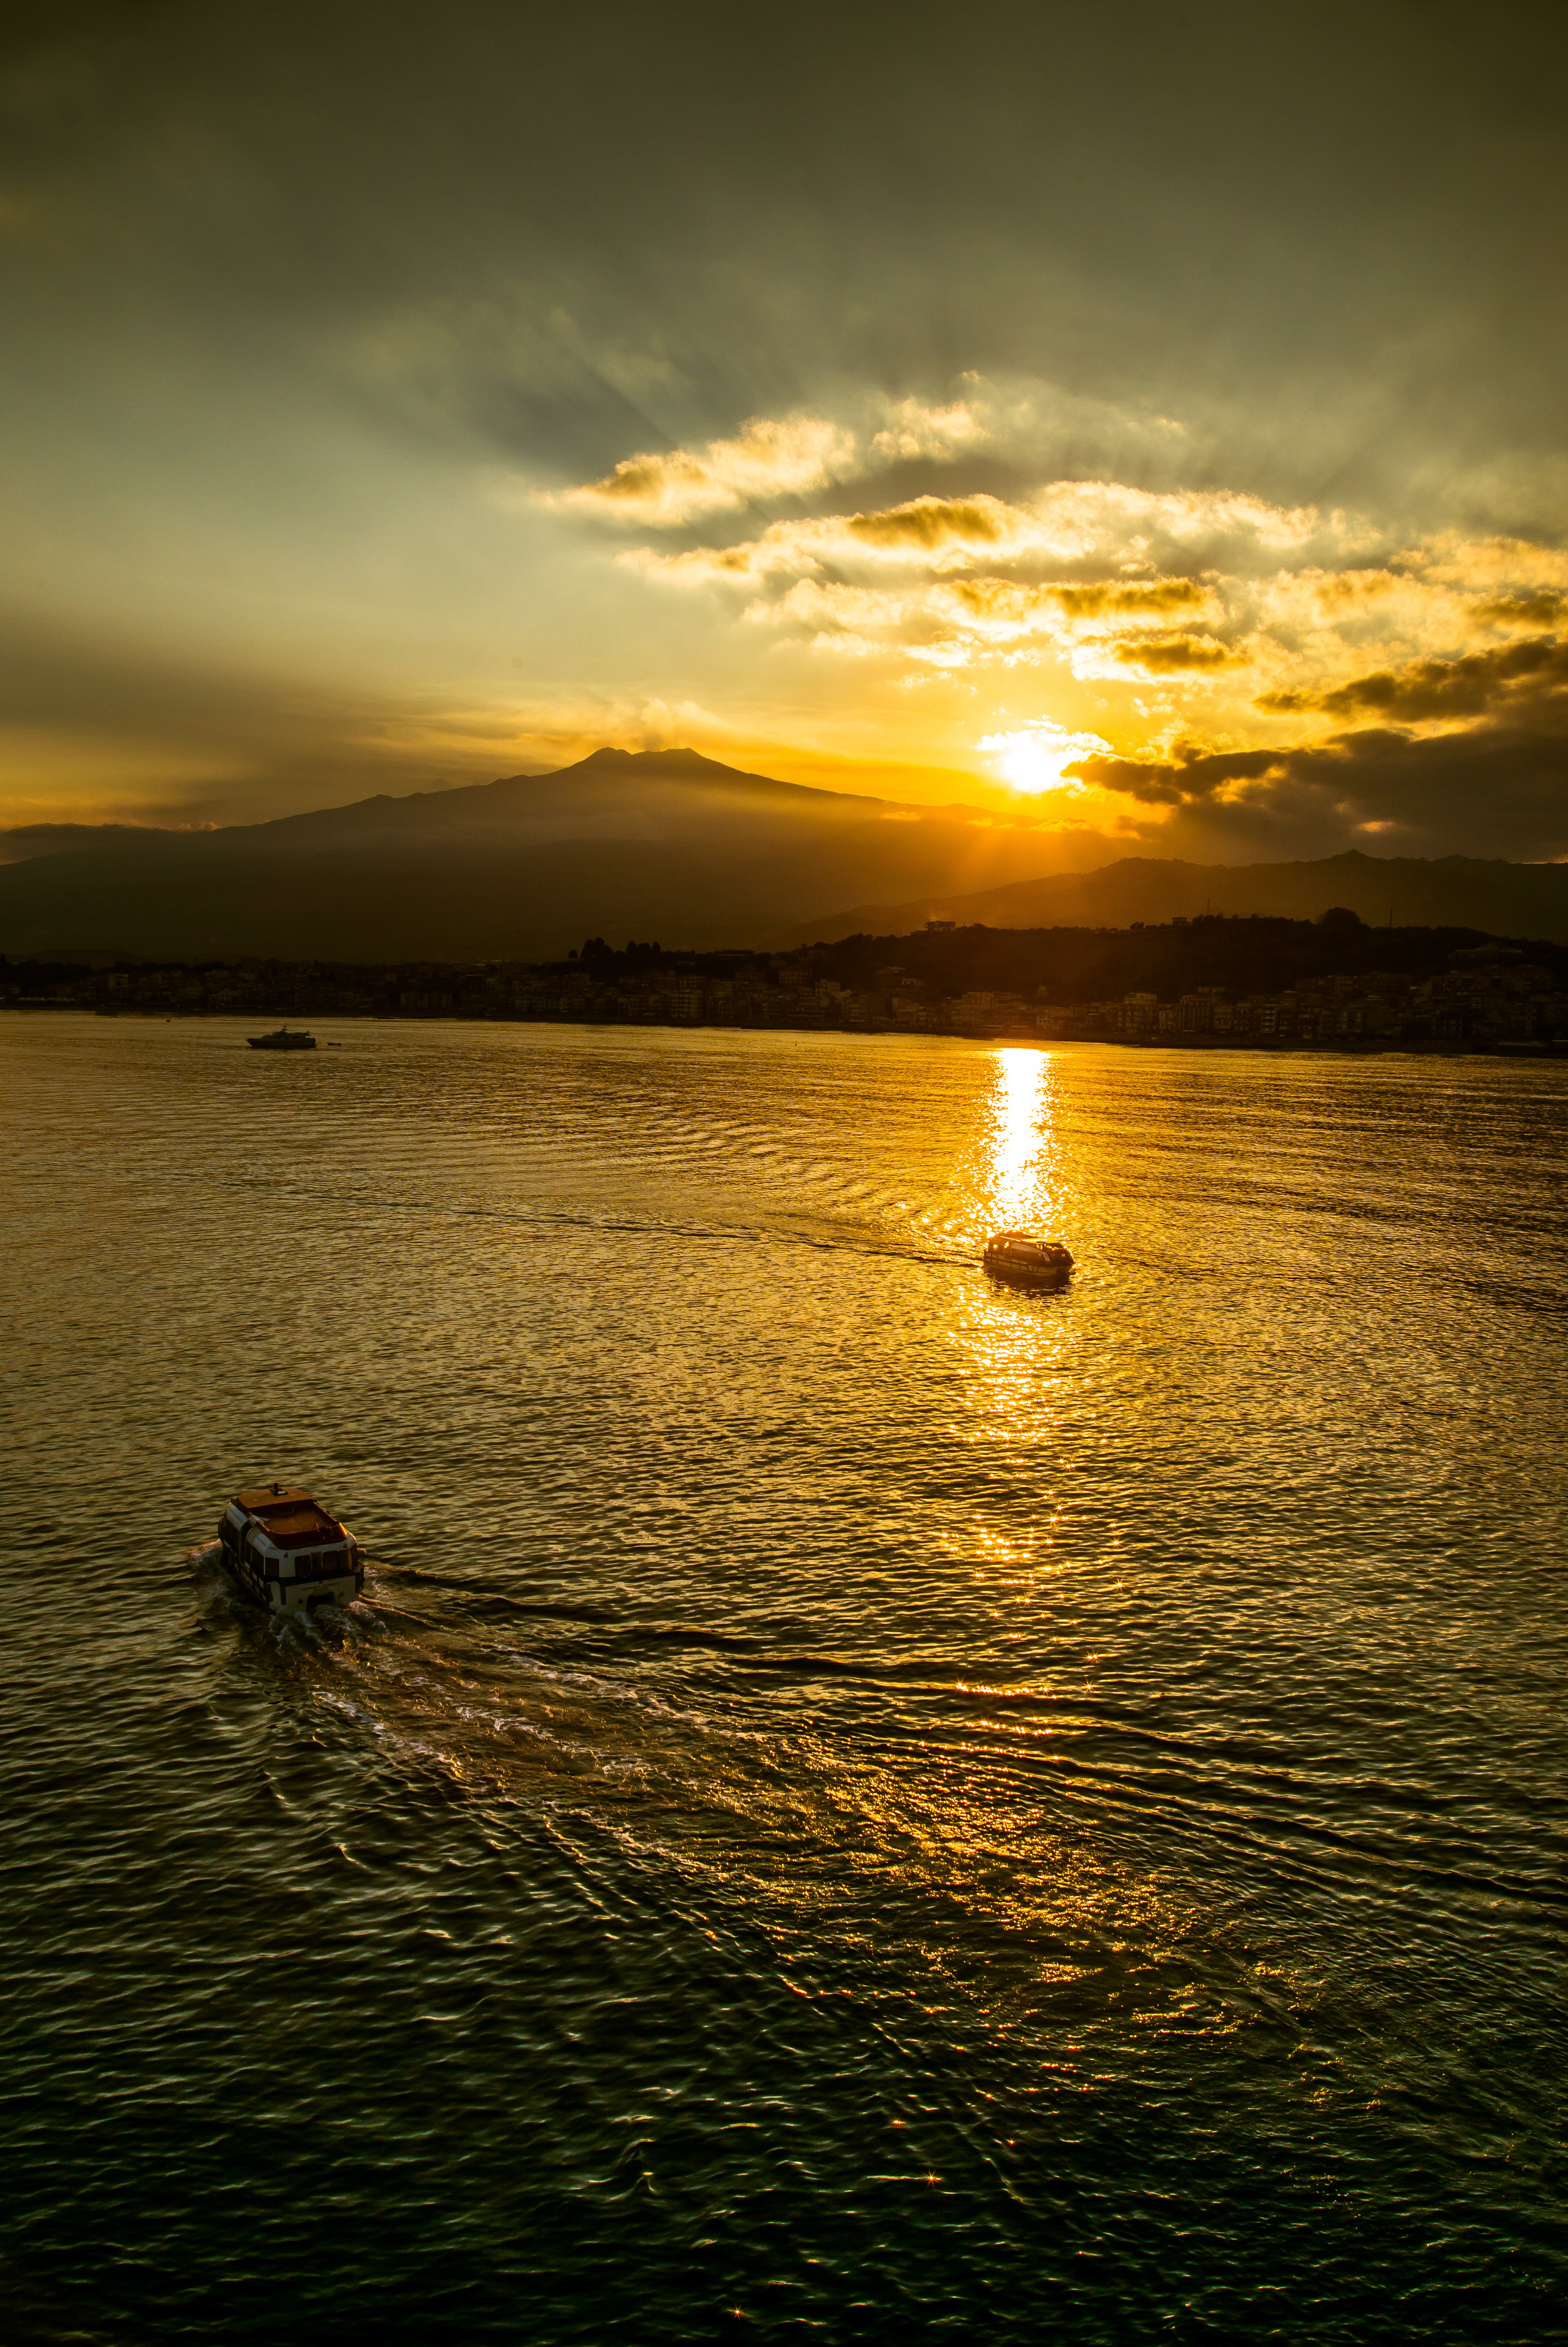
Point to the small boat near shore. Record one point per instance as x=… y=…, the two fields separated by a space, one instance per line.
x=284 y=1038
x=1024 y=1260
x=282 y=1547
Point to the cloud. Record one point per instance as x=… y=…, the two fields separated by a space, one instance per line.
x=1492 y=789
x=114 y=724
x=1063 y=608
x=1212 y=592
x=665 y=726
x=769 y=459
x=925 y=523
x=947 y=578
x=1196 y=598
x=1158 y=599
x=802 y=454
x=1542 y=608
x=1438 y=689
x=1173 y=655
x=796 y=455
x=1182 y=780
x=1107 y=528
x=915 y=429
x=283 y=302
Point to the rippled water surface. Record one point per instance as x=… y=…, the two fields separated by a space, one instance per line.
x=856 y=1803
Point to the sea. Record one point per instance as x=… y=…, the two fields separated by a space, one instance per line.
x=857 y=1803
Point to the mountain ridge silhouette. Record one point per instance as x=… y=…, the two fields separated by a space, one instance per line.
x=669 y=843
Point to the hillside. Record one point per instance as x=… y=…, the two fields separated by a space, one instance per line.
x=1504 y=900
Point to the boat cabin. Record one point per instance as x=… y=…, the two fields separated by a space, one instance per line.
x=286 y=1550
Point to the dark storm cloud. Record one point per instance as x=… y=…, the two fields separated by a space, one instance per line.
x=1181 y=782
x=1497 y=789
x=556 y=226
x=1437 y=688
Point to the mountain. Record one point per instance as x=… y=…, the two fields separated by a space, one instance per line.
x=664 y=844
x=1528 y=900
x=26 y=840
x=660 y=843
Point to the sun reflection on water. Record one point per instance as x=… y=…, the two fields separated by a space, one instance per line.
x=1018 y=1174
x=1021 y=1180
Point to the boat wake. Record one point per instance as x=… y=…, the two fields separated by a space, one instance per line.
x=903 y=1853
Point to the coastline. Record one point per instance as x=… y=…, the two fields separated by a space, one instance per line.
x=1358 y=1046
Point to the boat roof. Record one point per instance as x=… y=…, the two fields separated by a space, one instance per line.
x=288 y=1512
x=1024 y=1238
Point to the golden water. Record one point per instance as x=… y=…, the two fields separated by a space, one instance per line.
x=856 y=1800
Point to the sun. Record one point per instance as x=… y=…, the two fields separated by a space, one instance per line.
x=1032 y=757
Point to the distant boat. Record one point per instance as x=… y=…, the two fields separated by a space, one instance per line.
x=288 y=1551
x=282 y=1038
x=1026 y=1261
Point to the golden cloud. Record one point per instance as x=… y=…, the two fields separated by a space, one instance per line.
x=1435 y=690
x=915 y=430
x=1170 y=589
x=1155 y=600
x=769 y=459
x=1173 y=655
x=798 y=454
x=1103 y=526
x=1543 y=608
x=1354 y=589
x=931 y=522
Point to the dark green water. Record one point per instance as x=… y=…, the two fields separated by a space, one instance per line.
x=856 y=1805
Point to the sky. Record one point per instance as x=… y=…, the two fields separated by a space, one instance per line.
x=1151 y=420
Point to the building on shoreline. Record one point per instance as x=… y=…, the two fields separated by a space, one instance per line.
x=1486 y=998
x=1218 y=983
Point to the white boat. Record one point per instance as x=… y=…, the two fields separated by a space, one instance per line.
x=286 y=1550
x=1028 y=1261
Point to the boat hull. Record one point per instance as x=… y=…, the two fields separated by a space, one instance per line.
x=1019 y=1259
x=1045 y=1281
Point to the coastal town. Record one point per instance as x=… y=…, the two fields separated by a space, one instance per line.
x=1257 y=985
